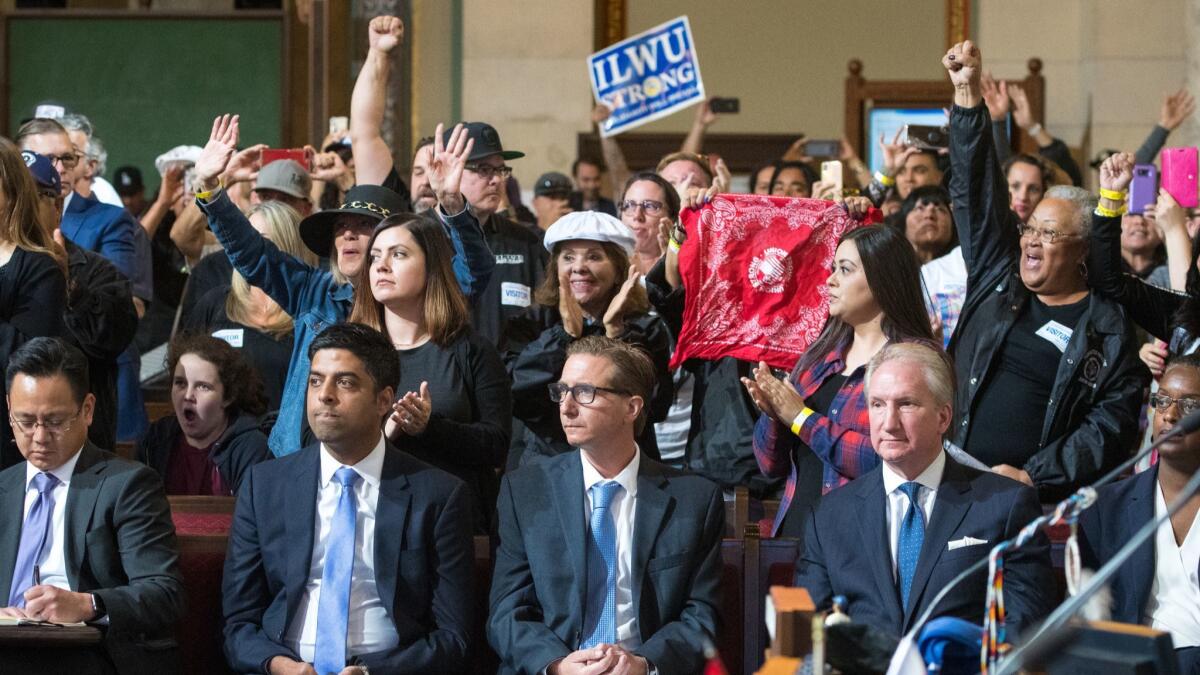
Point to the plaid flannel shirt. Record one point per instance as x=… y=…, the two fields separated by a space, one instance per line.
x=841 y=439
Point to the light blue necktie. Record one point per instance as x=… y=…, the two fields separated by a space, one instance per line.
x=604 y=534
x=333 y=608
x=912 y=535
x=34 y=535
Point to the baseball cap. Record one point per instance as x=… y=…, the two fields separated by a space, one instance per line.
x=592 y=226
x=487 y=141
x=44 y=173
x=128 y=181
x=552 y=183
x=374 y=201
x=286 y=176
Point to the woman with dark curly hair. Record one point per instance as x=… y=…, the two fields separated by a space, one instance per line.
x=213 y=439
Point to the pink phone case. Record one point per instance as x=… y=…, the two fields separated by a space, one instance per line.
x=1179 y=171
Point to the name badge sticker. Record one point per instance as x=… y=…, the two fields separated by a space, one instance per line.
x=512 y=293
x=1056 y=334
x=234 y=336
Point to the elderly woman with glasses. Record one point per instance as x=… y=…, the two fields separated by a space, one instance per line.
x=591 y=288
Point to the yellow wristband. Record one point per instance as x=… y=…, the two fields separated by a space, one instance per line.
x=207 y=194
x=799 y=421
x=1109 y=213
x=884 y=179
x=1113 y=195
x=673 y=245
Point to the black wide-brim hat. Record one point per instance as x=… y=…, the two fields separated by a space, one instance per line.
x=487 y=141
x=374 y=201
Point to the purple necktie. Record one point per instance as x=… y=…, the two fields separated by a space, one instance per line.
x=34 y=536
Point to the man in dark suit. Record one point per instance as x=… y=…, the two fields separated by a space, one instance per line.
x=892 y=539
x=86 y=536
x=349 y=555
x=609 y=562
x=1157 y=586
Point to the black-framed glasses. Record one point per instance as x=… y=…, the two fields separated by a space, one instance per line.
x=486 y=171
x=68 y=160
x=1046 y=235
x=55 y=428
x=650 y=206
x=1187 y=404
x=583 y=393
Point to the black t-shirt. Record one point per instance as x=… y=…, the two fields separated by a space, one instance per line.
x=396 y=184
x=809 y=468
x=1006 y=426
x=265 y=353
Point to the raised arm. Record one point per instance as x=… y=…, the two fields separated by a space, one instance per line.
x=694 y=142
x=995 y=95
x=372 y=156
x=1049 y=147
x=1176 y=108
x=618 y=170
x=473 y=260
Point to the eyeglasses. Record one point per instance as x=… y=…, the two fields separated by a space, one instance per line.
x=1047 y=236
x=486 y=171
x=1186 y=404
x=583 y=393
x=650 y=206
x=56 y=428
x=68 y=160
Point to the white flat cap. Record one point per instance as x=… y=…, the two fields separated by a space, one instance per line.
x=592 y=226
x=180 y=154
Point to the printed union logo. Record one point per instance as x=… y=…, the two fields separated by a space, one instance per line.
x=770 y=270
x=652 y=86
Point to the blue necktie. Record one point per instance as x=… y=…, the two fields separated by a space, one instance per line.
x=912 y=535
x=604 y=534
x=333 y=608
x=34 y=535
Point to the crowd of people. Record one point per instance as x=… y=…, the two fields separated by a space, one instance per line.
x=379 y=367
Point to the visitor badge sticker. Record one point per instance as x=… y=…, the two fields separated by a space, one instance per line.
x=512 y=293
x=647 y=76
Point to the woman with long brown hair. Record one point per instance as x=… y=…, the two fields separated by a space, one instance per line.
x=591 y=288
x=33 y=278
x=456 y=412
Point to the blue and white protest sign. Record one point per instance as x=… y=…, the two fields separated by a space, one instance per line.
x=647 y=76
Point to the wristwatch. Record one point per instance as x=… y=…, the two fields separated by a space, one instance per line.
x=97 y=607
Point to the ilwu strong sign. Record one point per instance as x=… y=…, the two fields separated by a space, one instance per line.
x=647 y=76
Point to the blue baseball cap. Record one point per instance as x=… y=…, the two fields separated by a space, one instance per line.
x=44 y=173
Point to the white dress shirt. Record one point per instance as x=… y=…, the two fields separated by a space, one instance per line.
x=897 y=501
x=369 y=628
x=1174 y=603
x=53 y=563
x=623 y=508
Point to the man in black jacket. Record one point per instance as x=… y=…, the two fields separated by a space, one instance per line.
x=1049 y=383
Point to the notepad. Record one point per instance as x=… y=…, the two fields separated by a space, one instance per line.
x=14 y=621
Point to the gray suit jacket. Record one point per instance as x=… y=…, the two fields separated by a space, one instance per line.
x=120 y=545
x=540 y=579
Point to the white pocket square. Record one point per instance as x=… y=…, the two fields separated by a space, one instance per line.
x=965 y=541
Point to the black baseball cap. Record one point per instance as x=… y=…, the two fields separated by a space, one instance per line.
x=128 y=181
x=552 y=183
x=373 y=201
x=487 y=141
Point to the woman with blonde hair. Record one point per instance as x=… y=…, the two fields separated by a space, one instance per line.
x=458 y=406
x=249 y=319
x=33 y=277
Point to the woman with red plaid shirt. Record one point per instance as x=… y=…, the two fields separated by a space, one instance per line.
x=814 y=428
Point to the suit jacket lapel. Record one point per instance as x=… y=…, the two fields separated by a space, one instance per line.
x=81 y=501
x=949 y=509
x=652 y=504
x=391 y=526
x=1140 y=565
x=12 y=501
x=874 y=534
x=566 y=479
x=300 y=515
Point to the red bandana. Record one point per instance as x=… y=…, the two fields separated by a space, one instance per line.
x=755 y=270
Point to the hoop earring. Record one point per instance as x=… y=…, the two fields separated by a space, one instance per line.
x=1083 y=270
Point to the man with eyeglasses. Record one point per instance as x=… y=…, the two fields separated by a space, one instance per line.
x=608 y=561
x=520 y=257
x=1157 y=587
x=1049 y=381
x=86 y=535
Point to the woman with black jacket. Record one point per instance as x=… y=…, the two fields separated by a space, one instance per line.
x=208 y=446
x=591 y=288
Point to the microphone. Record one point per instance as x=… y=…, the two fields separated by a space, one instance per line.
x=1082 y=499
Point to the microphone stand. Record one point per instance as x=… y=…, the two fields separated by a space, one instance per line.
x=1013 y=661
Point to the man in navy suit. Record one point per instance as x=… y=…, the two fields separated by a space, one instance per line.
x=892 y=539
x=609 y=562
x=349 y=555
x=1157 y=586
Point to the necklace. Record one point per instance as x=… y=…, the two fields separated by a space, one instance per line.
x=415 y=343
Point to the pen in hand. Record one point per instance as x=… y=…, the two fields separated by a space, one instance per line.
x=37 y=576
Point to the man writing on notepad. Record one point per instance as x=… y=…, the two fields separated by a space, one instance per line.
x=85 y=536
